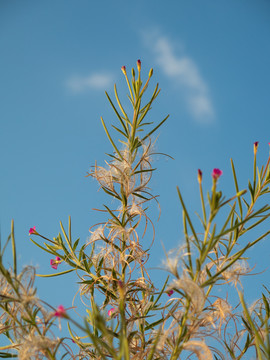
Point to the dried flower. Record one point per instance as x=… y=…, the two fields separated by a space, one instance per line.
x=33 y=231
x=234 y=272
x=194 y=292
x=97 y=234
x=55 y=262
x=135 y=209
x=33 y=347
x=171 y=264
x=216 y=173
x=173 y=258
x=222 y=309
x=60 y=312
x=199 y=348
x=104 y=177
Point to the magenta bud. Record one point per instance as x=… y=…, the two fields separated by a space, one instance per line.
x=139 y=64
x=199 y=176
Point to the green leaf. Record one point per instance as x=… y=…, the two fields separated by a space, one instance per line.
x=68 y=240
x=118 y=115
x=143 y=171
x=247 y=343
x=115 y=195
x=250 y=187
x=228 y=218
x=140 y=196
x=120 y=105
x=43 y=248
x=147 y=107
x=112 y=244
x=69 y=230
x=187 y=216
x=13 y=248
x=266 y=305
x=4 y=355
x=112 y=214
x=237 y=189
x=150 y=326
x=153 y=350
x=111 y=140
x=76 y=244
x=57 y=274
x=120 y=131
x=85 y=262
x=6 y=243
x=114 y=157
x=152 y=131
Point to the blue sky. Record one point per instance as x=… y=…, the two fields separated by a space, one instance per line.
x=211 y=59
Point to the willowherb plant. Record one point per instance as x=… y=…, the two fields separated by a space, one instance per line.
x=128 y=317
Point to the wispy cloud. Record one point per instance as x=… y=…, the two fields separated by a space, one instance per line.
x=95 y=81
x=183 y=70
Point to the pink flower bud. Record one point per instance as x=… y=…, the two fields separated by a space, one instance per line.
x=139 y=64
x=123 y=68
x=256 y=147
x=216 y=173
x=60 y=311
x=111 y=311
x=170 y=292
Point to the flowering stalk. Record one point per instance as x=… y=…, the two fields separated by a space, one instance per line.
x=127 y=316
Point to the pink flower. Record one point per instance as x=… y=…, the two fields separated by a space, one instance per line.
x=55 y=262
x=60 y=311
x=111 y=311
x=123 y=68
x=170 y=292
x=199 y=176
x=216 y=173
x=32 y=231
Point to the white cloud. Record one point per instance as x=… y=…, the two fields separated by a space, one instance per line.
x=96 y=81
x=185 y=73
